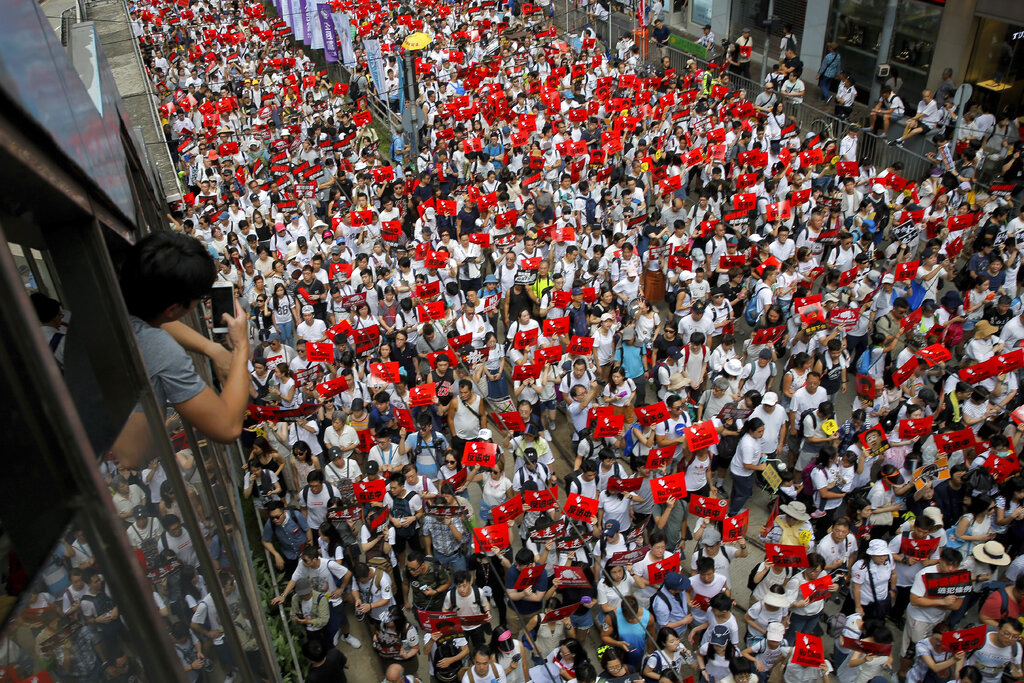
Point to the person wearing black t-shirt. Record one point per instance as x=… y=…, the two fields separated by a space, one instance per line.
x=326 y=665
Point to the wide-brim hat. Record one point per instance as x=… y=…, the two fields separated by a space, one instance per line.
x=796 y=510
x=992 y=553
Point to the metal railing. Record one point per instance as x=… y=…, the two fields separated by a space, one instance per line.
x=807 y=117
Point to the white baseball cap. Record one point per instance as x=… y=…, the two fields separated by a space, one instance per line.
x=770 y=399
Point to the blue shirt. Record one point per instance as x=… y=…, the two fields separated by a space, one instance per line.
x=291 y=535
x=632 y=359
x=668 y=607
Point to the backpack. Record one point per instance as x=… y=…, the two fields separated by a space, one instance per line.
x=812 y=412
x=476 y=598
x=658 y=366
x=980 y=479
x=403 y=508
x=806 y=475
x=494 y=672
x=590 y=212
x=752 y=313
x=891 y=418
x=345 y=489
x=751 y=584
x=1004 y=599
x=304 y=495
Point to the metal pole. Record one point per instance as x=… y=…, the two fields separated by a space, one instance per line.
x=767 y=39
x=608 y=44
x=884 y=47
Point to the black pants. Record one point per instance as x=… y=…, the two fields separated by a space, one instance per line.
x=458 y=445
x=879 y=609
x=899 y=605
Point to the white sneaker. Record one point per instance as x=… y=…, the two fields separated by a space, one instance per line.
x=352 y=640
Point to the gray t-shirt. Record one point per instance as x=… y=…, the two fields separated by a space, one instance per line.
x=170 y=369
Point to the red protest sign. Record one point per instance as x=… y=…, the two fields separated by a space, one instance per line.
x=874 y=441
x=524 y=339
x=528 y=577
x=906 y=271
x=539 y=501
x=915 y=427
x=668 y=487
x=526 y=371
x=580 y=507
x=512 y=421
x=808 y=651
x=656 y=571
x=320 y=352
x=571 y=577
x=905 y=371
x=404 y=419
x=867 y=647
x=735 y=528
x=786 y=555
x=385 y=372
x=955 y=441
x=433 y=310
x=609 y=426
x=369 y=491
x=427 y=289
x=494 y=537
x=331 y=387
x=652 y=414
x=979 y=372
x=422 y=394
x=935 y=354
x=625 y=557
x=964 y=640
x=744 y=201
x=556 y=326
x=625 y=484
x=659 y=457
x=769 y=335
x=918 y=549
x=1010 y=361
x=507 y=511
x=1001 y=468
x=844 y=317
x=560 y=613
x=548 y=354
x=581 y=346
x=482 y=453
x=709 y=508
x=701 y=435
x=817 y=589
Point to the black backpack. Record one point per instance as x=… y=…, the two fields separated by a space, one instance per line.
x=404 y=509
x=813 y=413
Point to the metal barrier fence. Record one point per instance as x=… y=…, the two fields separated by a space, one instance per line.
x=807 y=117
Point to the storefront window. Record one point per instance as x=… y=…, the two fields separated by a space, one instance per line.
x=857 y=27
x=997 y=64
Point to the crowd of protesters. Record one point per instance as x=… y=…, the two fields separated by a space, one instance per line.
x=594 y=265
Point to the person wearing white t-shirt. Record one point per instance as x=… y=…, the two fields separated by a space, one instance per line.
x=924 y=612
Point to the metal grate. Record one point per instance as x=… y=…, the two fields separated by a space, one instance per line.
x=67 y=20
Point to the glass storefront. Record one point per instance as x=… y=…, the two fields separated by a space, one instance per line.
x=857 y=27
x=996 y=65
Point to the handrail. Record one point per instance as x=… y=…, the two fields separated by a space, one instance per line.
x=915 y=165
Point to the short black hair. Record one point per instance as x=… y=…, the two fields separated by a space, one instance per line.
x=164 y=269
